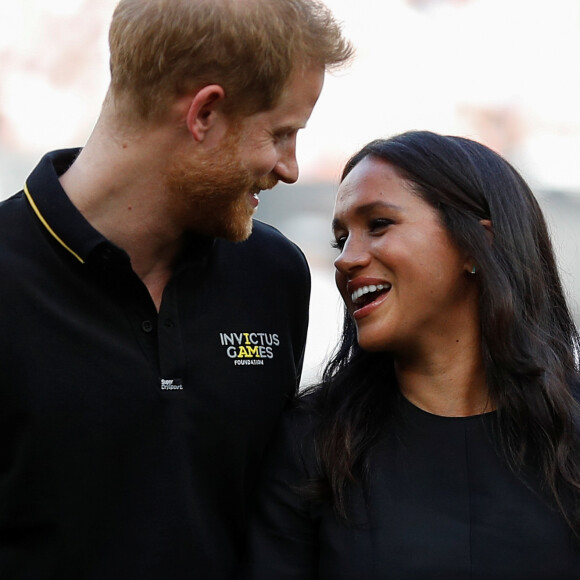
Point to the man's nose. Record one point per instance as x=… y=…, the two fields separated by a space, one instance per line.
x=286 y=168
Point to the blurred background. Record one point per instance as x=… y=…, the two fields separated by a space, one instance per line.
x=503 y=72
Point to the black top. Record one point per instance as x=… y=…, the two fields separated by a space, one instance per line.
x=131 y=439
x=440 y=504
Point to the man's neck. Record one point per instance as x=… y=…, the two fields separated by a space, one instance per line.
x=118 y=186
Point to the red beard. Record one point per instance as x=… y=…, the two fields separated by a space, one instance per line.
x=210 y=192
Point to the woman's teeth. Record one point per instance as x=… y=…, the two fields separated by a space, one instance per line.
x=368 y=289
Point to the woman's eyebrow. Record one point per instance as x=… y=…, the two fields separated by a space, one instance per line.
x=366 y=209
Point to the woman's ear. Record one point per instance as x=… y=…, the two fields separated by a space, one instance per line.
x=204 y=110
x=470 y=266
x=489 y=229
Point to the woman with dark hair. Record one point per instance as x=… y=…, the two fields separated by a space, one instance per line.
x=443 y=440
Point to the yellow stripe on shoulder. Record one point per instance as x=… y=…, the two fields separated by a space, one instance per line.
x=47 y=226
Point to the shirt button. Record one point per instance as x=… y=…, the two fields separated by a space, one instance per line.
x=146 y=326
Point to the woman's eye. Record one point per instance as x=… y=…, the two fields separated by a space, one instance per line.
x=380 y=224
x=338 y=243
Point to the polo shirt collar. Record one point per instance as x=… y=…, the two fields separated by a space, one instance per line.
x=56 y=211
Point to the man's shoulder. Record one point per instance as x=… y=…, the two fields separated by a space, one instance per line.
x=13 y=213
x=267 y=243
x=263 y=231
x=44 y=179
x=11 y=203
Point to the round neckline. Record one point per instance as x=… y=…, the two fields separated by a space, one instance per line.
x=411 y=407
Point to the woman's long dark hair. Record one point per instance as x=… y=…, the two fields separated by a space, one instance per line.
x=530 y=344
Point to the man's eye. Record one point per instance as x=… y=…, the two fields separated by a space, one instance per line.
x=284 y=135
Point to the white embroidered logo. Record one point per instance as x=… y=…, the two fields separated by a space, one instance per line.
x=249 y=348
x=171 y=385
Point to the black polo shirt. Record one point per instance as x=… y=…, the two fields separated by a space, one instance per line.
x=130 y=439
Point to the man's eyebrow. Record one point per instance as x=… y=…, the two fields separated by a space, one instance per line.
x=290 y=128
x=367 y=208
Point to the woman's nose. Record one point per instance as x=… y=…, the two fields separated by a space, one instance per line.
x=353 y=255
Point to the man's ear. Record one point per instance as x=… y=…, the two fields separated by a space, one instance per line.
x=203 y=110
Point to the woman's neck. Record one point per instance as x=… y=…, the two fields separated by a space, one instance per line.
x=448 y=381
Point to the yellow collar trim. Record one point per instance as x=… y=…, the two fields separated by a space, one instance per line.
x=45 y=224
